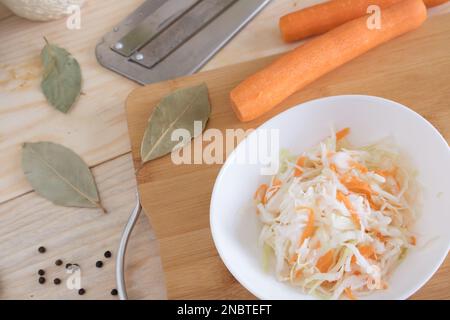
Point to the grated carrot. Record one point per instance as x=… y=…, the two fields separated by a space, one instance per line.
x=326 y=261
x=260 y=194
x=333 y=168
x=343 y=198
x=342 y=133
x=349 y=294
x=383 y=173
x=276 y=182
x=300 y=163
x=389 y=174
x=367 y=251
x=309 y=228
x=293 y=259
x=357 y=185
x=381 y=237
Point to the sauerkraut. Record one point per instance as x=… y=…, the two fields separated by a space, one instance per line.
x=337 y=219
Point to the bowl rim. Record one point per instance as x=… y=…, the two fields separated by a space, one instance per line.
x=228 y=163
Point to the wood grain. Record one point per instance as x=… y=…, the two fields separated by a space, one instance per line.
x=96 y=126
x=261 y=37
x=19 y=80
x=99 y=133
x=396 y=70
x=78 y=236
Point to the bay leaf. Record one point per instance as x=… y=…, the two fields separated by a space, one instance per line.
x=61 y=81
x=177 y=110
x=59 y=175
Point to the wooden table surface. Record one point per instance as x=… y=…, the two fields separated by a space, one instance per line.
x=96 y=129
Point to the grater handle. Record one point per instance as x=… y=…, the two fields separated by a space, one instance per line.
x=120 y=260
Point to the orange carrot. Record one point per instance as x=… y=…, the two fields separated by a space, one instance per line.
x=383 y=173
x=276 y=182
x=356 y=185
x=260 y=194
x=367 y=251
x=433 y=3
x=309 y=228
x=343 y=198
x=326 y=261
x=386 y=173
x=298 y=274
x=264 y=90
x=341 y=134
x=389 y=174
x=323 y=17
x=413 y=240
x=381 y=237
x=293 y=259
x=300 y=163
x=333 y=167
x=349 y=294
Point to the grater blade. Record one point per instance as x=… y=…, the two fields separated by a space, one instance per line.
x=165 y=39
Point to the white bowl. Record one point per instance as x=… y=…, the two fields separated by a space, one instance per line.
x=235 y=231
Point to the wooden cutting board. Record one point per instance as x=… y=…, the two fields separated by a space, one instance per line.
x=413 y=70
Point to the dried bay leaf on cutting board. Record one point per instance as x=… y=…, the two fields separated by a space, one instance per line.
x=61 y=81
x=59 y=175
x=178 y=110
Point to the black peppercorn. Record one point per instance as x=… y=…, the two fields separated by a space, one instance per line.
x=114 y=292
x=41 y=280
x=99 y=264
x=41 y=272
x=108 y=254
x=57 y=281
x=42 y=249
x=58 y=262
x=68 y=265
x=81 y=291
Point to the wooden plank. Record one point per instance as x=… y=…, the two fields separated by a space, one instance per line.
x=78 y=236
x=396 y=70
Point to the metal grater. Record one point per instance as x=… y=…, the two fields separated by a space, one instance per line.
x=165 y=39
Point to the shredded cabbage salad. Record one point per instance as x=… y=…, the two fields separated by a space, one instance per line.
x=337 y=219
